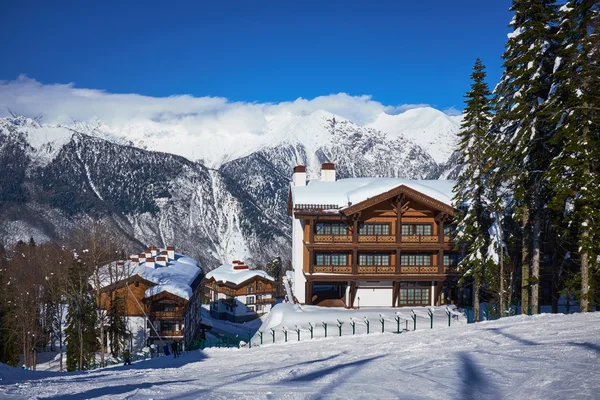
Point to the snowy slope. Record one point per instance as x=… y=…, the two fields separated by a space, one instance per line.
x=433 y=130
x=540 y=357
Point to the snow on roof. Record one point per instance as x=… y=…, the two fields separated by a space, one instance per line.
x=227 y=273
x=345 y=192
x=176 y=278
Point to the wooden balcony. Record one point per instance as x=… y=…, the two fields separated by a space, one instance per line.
x=333 y=269
x=333 y=238
x=420 y=269
x=265 y=300
x=376 y=238
x=166 y=333
x=166 y=315
x=376 y=269
x=419 y=239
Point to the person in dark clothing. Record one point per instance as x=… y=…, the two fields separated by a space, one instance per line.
x=175 y=349
x=127 y=357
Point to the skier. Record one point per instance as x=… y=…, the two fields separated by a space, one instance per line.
x=127 y=357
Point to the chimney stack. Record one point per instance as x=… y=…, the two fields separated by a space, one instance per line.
x=299 y=176
x=153 y=251
x=161 y=260
x=171 y=252
x=328 y=172
x=150 y=263
x=142 y=258
x=135 y=260
x=148 y=253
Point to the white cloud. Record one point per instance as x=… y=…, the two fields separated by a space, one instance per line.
x=197 y=127
x=63 y=103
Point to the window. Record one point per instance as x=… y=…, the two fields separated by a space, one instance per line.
x=250 y=300
x=259 y=286
x=451 y=260
x=449 y=229
x=328 y=228
x=331 y=259
x=415 y=259
x=250 y=289
x=168 y=307
x=416 y=229
x=414 y=293
x=373 y=259
x=136 y=284
x=374 y=229
x=168 y=325
x=250 y=309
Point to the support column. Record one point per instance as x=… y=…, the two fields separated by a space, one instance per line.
x=432 y=293
x=440 y=262
x=347 y=296
x=352 y=293
x=311 y=261
x=395 y=294
x=309 y=292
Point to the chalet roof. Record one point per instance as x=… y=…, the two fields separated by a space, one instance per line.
x=177 y=277
x=226 y=273
x=353 y=194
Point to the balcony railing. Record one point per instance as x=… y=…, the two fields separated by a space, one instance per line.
x=333 y=238
x=376 y=269
x=166 y=333
x=265 y=301
x=165 y=314
x=420 y=239
x=377 y=239
x=419 y=269
x=333 y=269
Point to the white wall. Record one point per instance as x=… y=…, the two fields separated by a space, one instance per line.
x=298 y=259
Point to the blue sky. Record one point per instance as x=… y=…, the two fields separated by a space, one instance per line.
x=258 y=51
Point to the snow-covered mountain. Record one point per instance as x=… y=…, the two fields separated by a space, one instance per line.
x=433 y=130
x=217 y=199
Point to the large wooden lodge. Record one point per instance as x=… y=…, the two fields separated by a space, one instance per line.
x=372 y=241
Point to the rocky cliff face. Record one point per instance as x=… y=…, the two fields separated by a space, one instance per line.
x=57 y=177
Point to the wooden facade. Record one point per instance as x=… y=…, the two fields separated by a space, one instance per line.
x=400 y=239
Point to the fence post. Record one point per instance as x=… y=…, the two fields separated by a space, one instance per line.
x=382 y=323
x=298 y=331
x=430 y=312
x=397 y=318
x=487 y=313
x=273 y=334
x=249 y=341
x=285 y=332
x=450 y=315
x=324 y=326
x=340 y=323
x=311 y=328
x=367 y=323
x=353 y=324
x=414 y=318
x=260 y=334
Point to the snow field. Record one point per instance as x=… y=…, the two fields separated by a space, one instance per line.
x=524 y=357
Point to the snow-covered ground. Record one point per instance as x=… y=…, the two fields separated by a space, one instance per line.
x=539 y=357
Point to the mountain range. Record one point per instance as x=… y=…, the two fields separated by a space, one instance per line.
x=213 y=195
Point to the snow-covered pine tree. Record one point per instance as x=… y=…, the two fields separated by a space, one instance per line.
x=523 y=88
x=80 y=327
x=470 y=189
x=574 y=173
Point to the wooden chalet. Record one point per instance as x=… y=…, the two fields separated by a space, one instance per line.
x=237 y=293
x=372 y=241
x=152 y=294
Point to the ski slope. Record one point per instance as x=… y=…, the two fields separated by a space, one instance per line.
x=539 y=357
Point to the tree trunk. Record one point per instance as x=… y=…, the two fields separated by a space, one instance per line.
x=501 y=296
x=525 y=264
x=476 y=300
x=535 y=260
x=555 y=269
x=585 y=270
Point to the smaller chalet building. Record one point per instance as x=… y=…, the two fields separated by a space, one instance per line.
x=237 y=293
x=156 y=286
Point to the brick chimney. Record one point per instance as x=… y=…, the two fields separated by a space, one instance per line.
x=148 y=253
x=161 y=260
x=142 y=257
x=239 y=265
x=299 y=176
x=328 y=172
x=135 y=260
x=153 y=251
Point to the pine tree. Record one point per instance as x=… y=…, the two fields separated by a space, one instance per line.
x=524 y=127
x=9 y=354
x=574 y=174
x=80 y=329
x=471 y=185
x=117 y=326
